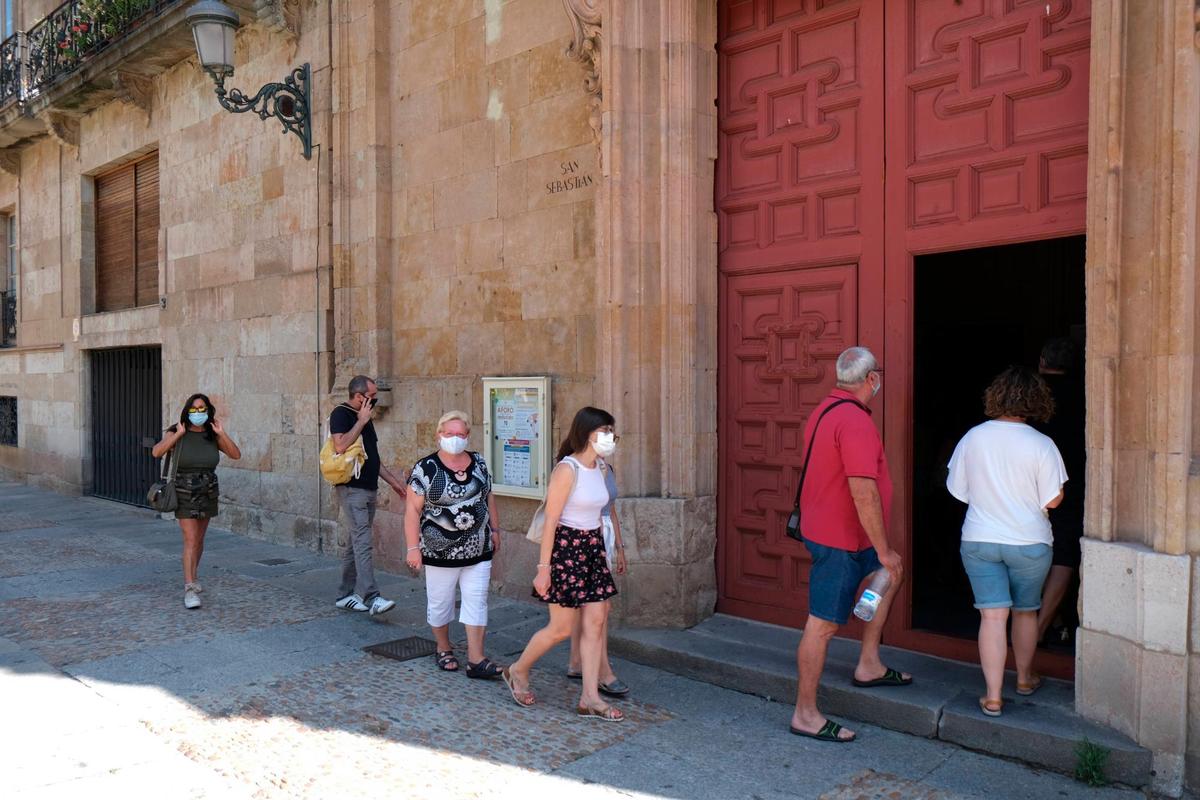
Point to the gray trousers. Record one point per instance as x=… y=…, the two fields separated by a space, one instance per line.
x=358 y=514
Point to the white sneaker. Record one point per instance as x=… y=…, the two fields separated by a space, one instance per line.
x=351 y=602
x=381 y=606
x=191 y=599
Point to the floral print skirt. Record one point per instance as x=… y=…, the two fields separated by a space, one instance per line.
x=579 y=571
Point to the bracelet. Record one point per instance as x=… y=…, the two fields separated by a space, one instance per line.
x=414 y=547
x=547 y=566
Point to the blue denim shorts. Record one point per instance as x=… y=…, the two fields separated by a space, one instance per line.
x=1007 y=575
x=834 y=578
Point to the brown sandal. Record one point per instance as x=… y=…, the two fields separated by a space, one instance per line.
x=1026 y=689
x=993 y=708
x=522 y=698
x=607 y=714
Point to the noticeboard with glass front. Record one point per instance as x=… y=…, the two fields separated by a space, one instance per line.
x=516 y=418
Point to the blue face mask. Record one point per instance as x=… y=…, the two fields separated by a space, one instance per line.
x=198 y=419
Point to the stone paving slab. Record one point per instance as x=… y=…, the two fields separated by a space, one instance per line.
x=133 y=617
x=266 y=693
x=317 y=732
x=1057 y=736
x=757 y=658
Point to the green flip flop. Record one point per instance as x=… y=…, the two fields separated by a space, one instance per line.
x=890 y=678
x=828 y=733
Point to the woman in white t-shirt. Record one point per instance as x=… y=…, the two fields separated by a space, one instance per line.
x=573 y=576
x=1008 y=474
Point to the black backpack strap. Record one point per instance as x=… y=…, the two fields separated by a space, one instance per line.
x=808 y=455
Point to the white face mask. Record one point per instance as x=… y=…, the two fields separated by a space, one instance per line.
x=453 y=444
x=605 y=444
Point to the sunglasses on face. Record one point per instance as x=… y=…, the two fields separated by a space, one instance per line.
x=197 y=410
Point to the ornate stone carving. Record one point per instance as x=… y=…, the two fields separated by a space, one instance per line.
x=63 y=128
x=280 y=15
x=134 y=89
x=585 y=47
x=10 y=161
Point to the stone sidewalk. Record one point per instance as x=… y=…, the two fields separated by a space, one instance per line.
x=109 y=686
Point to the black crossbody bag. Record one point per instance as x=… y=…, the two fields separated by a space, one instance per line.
x=793 y=523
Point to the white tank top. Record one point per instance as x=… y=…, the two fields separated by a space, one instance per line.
x=588 y=499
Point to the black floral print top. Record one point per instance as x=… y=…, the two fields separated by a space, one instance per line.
x=454 y=521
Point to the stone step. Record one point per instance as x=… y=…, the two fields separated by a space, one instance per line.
x=760 y=659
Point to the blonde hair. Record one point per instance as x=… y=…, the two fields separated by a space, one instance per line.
x=461 y=416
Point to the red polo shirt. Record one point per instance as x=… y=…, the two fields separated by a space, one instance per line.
x=847 y=446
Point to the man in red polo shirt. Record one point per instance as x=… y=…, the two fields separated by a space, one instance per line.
x=845 y=503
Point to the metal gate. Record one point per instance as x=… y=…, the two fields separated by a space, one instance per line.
x=126 y=421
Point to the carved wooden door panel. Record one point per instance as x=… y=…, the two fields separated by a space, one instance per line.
x=799 y=194
x=987 y=103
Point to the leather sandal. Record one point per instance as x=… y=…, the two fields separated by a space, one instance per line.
x=607 y=714
x=446 y=661
x=993 y=708
x=522 y=698
x=1026 y=689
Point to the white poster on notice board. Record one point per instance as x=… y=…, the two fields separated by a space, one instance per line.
x=517 y=453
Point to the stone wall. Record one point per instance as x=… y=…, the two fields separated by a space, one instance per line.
x=244 y=279
x=468 y=228
x=1138 y=652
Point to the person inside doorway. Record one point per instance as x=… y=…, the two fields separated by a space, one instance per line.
x=1059 y=366
x=1008 y=474
x=845 y=502
x=197 y=443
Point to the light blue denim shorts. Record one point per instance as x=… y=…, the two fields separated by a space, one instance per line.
x=1007 y=575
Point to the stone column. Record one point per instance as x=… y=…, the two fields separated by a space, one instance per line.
x=657 y=279
x=1138 y=652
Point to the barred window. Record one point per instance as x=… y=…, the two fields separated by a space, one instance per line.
x=8 y=421
x=8 y=282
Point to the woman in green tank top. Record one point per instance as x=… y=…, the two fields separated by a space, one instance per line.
x=198 y=441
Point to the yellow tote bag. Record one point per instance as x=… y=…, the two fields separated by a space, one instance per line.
x=339 y=468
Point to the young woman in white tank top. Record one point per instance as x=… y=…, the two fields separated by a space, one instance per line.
x=573 y=577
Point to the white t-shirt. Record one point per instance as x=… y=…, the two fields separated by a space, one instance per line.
x=589 y=498
x=1006 y=472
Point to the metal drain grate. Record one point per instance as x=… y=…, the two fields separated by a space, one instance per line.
x=404 y=649
x=274 y=562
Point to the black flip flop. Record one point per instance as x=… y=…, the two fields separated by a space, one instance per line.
x=889 y=678
x=484 y=670
x=828 y=733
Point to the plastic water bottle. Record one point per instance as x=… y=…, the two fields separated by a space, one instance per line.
x=872 y=596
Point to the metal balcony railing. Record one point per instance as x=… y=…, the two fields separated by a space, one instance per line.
x=8 y=319
x=12 y=56
x=66 y=38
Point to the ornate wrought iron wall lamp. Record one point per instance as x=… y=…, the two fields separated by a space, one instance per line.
x=213 y=25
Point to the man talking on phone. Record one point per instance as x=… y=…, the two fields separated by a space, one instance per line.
x=358 y=498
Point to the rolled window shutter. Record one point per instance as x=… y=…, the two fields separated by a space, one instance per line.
x=115 y=274
x=146 y=248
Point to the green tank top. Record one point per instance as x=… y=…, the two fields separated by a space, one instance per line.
x=196 y=453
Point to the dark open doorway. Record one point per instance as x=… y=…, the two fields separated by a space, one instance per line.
x=977 y=312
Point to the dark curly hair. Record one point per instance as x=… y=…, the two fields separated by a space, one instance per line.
x=1019 y=392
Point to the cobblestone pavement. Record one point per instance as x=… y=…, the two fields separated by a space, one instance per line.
x=109 y=687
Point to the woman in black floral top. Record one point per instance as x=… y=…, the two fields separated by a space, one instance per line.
x=451 y=529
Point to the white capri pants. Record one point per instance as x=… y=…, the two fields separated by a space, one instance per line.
x=439 y=591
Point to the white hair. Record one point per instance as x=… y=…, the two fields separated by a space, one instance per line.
x=449 y=416
x=854 y=364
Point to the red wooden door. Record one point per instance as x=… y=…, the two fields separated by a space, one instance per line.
x=985 y=142
x=799 y=196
